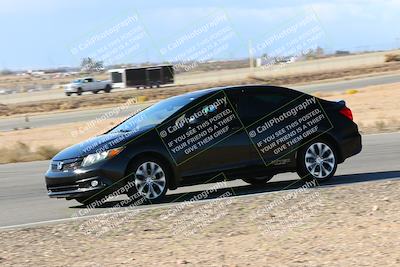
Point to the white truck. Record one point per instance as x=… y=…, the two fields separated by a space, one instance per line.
x=87 y=84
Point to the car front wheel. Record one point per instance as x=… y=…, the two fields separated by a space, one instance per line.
x=150 y=178
x=317 y=160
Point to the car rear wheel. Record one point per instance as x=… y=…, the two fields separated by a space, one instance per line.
x=68 y=94
x=150 y=178
x=258 y=180
x=317 y=160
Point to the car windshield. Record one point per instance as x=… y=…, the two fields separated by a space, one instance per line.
x=155 y=114
x=77 y=81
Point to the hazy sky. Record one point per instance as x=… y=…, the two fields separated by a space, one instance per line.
x=41 y=33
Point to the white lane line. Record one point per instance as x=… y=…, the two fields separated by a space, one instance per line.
x=169 y=205
x=80 y=217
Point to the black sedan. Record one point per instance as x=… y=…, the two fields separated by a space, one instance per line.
x=241 y=132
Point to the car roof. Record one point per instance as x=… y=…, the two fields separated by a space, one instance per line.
x=262 y=87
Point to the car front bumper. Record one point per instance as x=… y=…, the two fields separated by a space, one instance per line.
x=79 y=183
x=75 y=189
x=70 y=89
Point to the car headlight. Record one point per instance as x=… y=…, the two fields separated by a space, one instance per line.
x=100 y=156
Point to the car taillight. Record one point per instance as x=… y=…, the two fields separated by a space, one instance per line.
x=347 y=113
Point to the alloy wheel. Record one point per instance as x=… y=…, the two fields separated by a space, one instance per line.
x=319 y=160
x=150 y=180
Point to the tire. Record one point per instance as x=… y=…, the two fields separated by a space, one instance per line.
x=107 y=89
x=317 y=160
x=95 y=92
x=150 y=177
x=258 y=180
x=79 y=91
x=68 y=94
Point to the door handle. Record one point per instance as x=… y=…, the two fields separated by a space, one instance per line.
x=236 y=127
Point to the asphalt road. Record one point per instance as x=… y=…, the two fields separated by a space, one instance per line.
x=8 y=124
x=349 y=84
x=23 y=199
x=37 y=121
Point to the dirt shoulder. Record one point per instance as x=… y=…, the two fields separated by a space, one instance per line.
x=375 y=108
x=43 y=143
x=349 y=225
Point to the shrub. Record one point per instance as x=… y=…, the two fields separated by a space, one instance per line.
x=47 y=152
x=351 y=91
x=142 y=98
x=392 y=57
x=380 y=125
x=21 y=152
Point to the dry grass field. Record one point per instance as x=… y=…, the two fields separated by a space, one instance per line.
x=375 y=108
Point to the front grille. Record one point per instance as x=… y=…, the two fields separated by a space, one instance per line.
x=67 y=165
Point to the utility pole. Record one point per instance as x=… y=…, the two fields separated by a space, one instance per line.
x=251 y=56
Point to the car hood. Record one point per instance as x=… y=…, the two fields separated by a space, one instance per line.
x=97 y=144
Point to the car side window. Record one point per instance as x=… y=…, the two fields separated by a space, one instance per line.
x=260 y=104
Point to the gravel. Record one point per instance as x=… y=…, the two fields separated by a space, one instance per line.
x=349 y=225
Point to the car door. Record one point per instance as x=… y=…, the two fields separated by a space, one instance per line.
x=89 y=84
x=229 y=154
x=261 y=102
